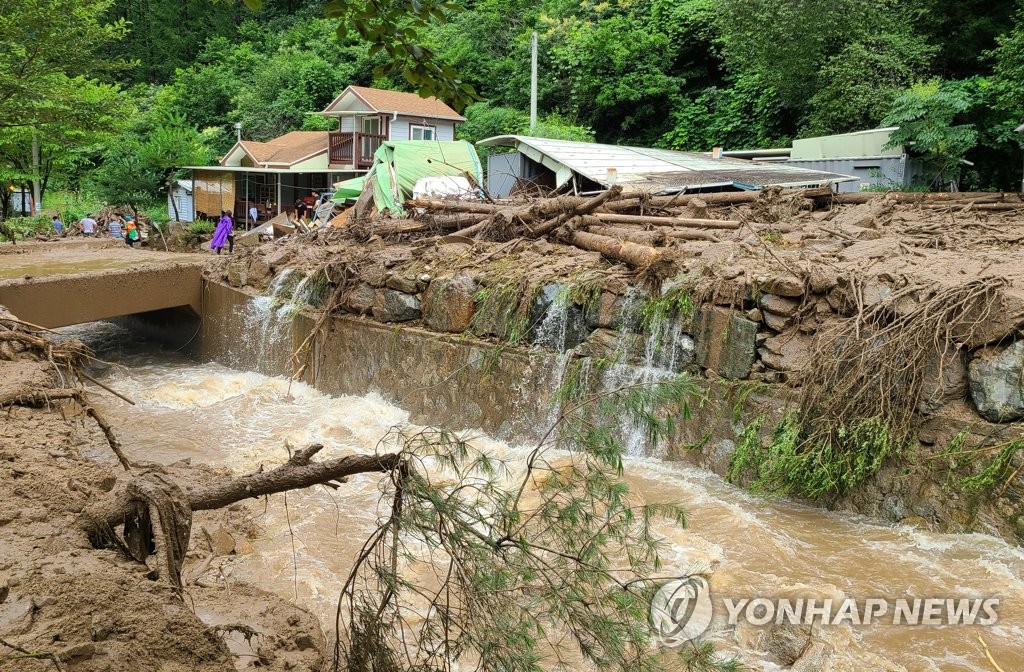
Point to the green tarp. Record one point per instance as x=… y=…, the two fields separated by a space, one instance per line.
x=398 y=165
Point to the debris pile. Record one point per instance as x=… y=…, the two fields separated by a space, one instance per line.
x=786 y=272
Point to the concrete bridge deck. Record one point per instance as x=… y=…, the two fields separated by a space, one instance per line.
x=67 y=282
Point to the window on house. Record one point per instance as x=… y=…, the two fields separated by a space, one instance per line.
x=371 y=125
x=421 y=132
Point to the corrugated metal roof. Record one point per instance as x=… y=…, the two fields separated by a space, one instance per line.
x=656 y=170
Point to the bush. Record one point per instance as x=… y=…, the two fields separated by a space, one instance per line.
x=25 y=227
x=201 y=227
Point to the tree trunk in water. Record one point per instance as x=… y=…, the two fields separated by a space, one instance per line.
x=298 y=472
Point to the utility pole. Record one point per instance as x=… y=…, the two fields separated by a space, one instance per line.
x=36 y=195
x=533 y=81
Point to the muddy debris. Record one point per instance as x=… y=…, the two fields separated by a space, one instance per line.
x=67 y=604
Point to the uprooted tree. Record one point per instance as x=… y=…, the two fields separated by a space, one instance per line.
x=476 y=560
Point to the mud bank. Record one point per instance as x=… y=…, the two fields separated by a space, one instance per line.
x=93 y=609
x=862 y=357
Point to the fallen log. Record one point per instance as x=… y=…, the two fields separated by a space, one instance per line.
x=691 y=234
x=498 y=218
x=134 y=503
x=40 y=398
x=432 y=223
x=973 y=205
x=634 y=254
x=857 y=198
x=650 y=238
x=584 y=208
x=298 y=472
x=654 y=220
x=440 y=205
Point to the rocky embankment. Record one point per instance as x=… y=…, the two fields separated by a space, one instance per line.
x=871 y=349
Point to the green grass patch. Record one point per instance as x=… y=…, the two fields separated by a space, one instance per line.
x=678 y=302
x=787 y=464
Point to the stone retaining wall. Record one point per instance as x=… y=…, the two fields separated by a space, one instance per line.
x=438 y=359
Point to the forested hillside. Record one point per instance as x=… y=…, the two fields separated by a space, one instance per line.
x=682 y=74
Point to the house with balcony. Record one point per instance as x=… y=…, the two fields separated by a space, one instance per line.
x=367 y=117
x=269 y=177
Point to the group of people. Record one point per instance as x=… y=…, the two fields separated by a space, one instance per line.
x=224 y=233
x=120 y=226
x=123 y=226
x=305 y=208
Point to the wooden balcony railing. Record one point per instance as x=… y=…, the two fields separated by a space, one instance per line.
x=341 y=143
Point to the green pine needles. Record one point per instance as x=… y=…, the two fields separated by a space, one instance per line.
x=538 y=563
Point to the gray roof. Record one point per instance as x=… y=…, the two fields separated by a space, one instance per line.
x=657 y=170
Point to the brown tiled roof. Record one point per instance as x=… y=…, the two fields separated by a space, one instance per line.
x=405 y=103
x=289 y=148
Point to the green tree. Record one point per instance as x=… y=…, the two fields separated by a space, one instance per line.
x=794 y=47
x=52 y=54
x=393 y=29
x=860 y=83
x=167 y=35
x=927 y=116
x=617 y=68
x=173 y=144
x=67 y=146
x=742 y=114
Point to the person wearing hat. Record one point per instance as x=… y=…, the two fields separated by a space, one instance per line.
x=131 y=231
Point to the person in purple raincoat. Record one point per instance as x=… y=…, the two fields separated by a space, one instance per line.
x=222 y=234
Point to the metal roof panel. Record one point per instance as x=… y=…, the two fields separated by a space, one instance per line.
x=645 y=168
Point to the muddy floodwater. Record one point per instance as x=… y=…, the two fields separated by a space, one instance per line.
x=752 y=547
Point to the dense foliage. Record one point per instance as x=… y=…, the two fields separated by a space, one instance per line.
x=126 y=89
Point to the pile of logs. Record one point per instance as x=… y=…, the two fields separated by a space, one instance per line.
x=634 y=228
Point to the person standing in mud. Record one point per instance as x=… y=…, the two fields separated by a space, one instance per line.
x=131 y=231
x=88 y=225
x=58 y=225
x=222 y=233
x=114 y=226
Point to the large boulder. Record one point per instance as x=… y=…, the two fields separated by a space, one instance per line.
x=238 y=273
x=393 y=306
x=787 y=352
x=773 y=303
x=784 y=285
x=996 y=384
x=726 y=342
x=361 y=299
x=402 y=283
x=606 y=312
x=992 y=321
x=676 y=352
x=448 y=303
x=259 y=272
x=280 y=257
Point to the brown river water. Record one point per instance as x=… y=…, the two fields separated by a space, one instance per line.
x=754 y=547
